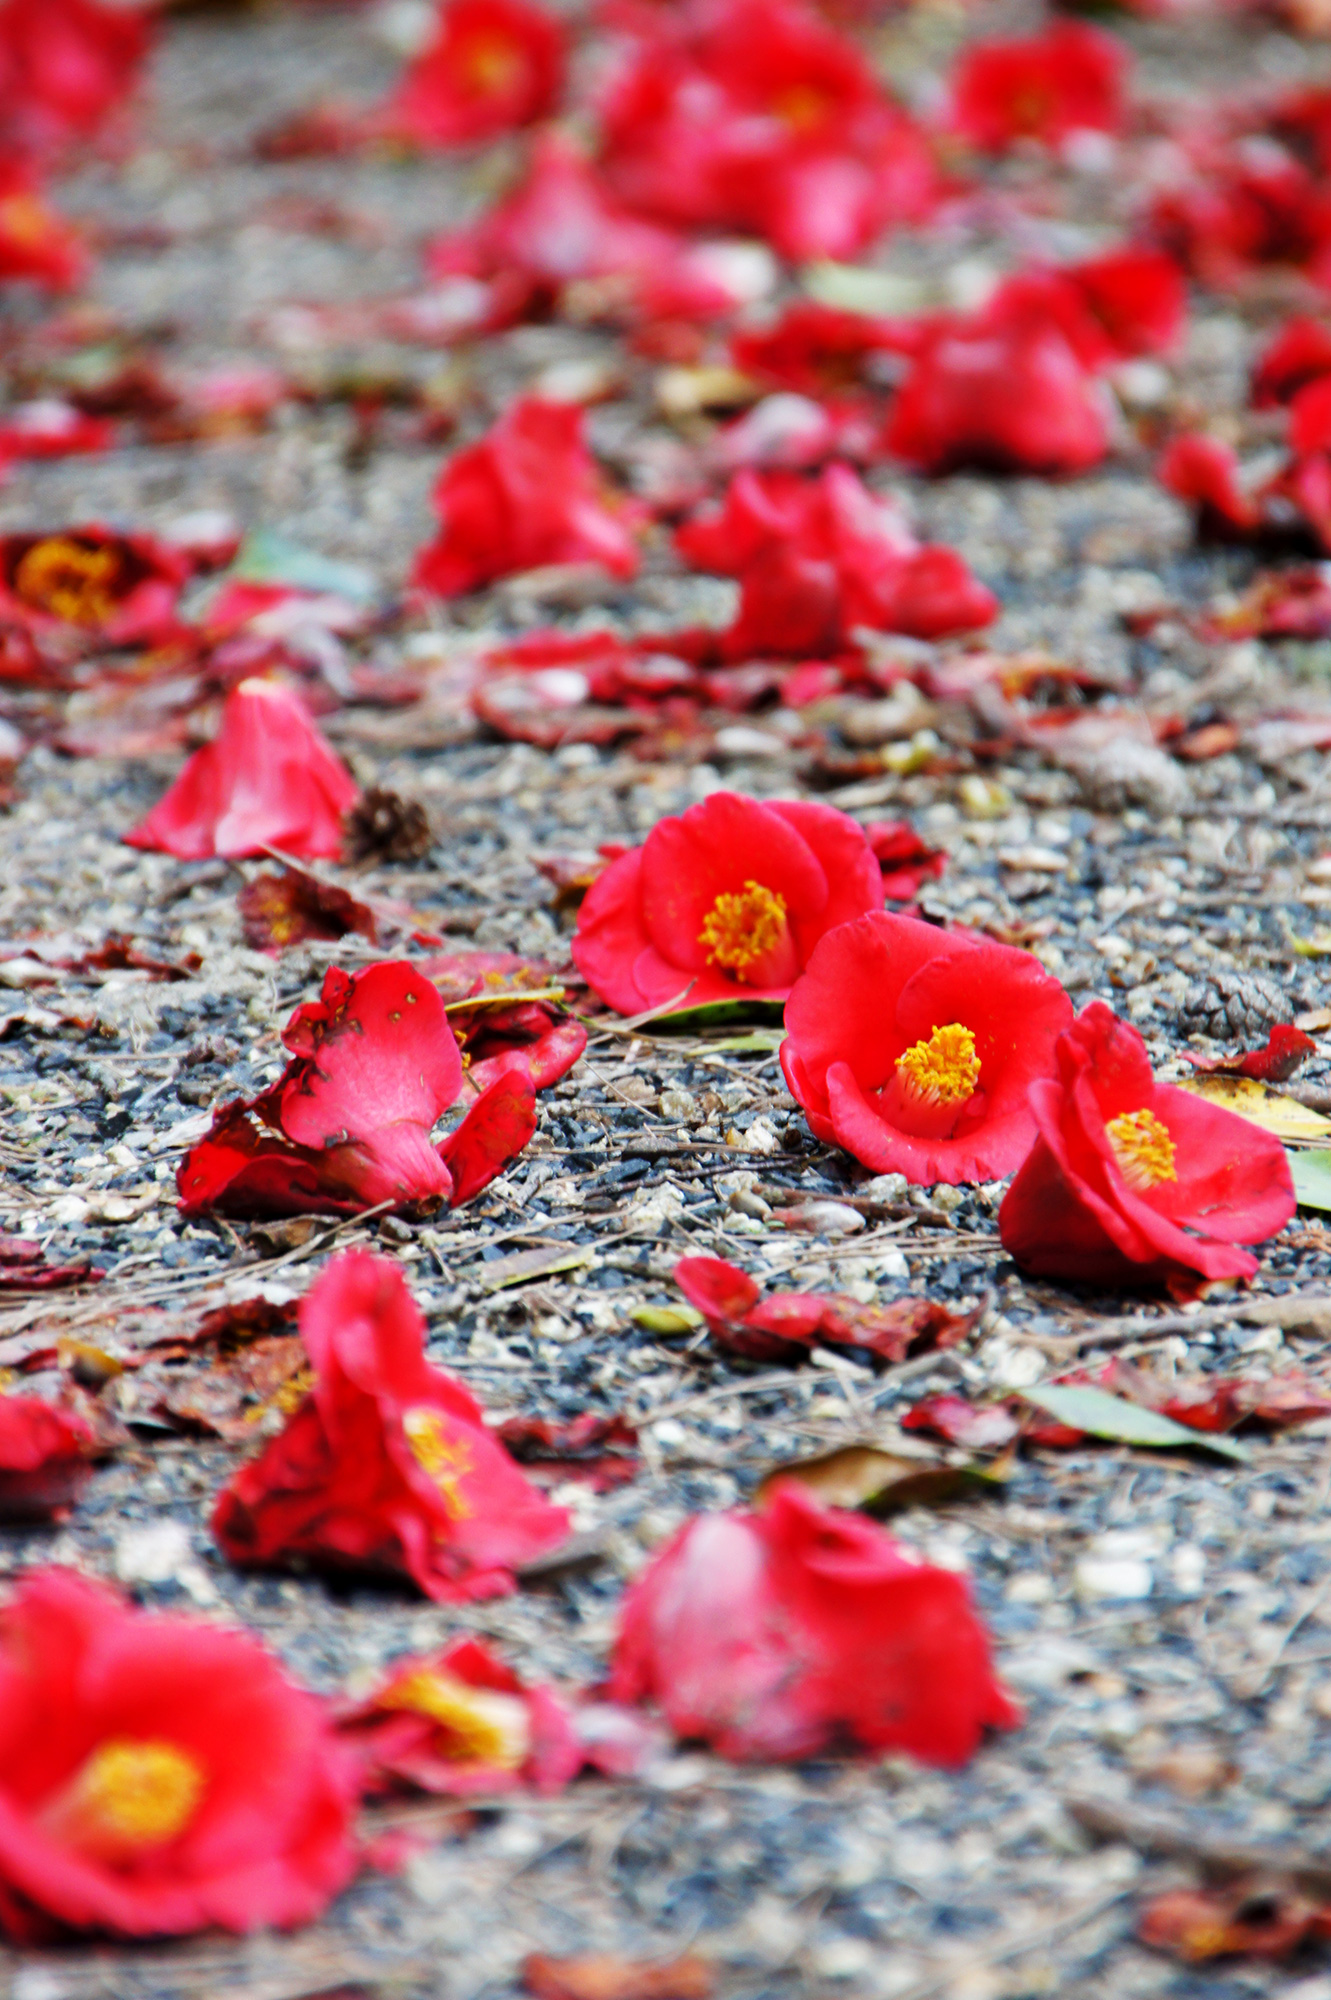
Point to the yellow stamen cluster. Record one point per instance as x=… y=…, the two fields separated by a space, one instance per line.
x=743 y=926
x=70 y=581
x=944 y=1069
x=1142 y=1147
x=482 y=1726
x=444 y=1459
x=135 y=1793
x=492 y=63
x=801 y=107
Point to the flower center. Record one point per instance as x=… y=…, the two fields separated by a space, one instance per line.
x=801 y=107
x=23 y=218
x=1142 y=1147
x=482 y=1726
x=743 y=926
x=443 y=1458
x=944 y=1070
x=72 y=582
x=492 y=63
x=132 y=1793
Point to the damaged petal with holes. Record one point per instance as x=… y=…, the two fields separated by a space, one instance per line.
x=725 y=901
x=387 y=1468
x=913 y=1047
x=1134 y=1182
x=158 y=1775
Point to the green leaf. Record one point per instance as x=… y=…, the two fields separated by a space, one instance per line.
x=761 y=1042
x=1312 y=1178
x=1106 y=1416
x=266 y=557
x=859 y=288
x=883 y=1483
x=668 y=1319
x=717 y=1014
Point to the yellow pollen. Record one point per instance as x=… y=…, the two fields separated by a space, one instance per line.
x=492 y=62
x=801 y=107
x=24 y=220
x=944 y=1069
x=482 y=1725
x=444 y=1459
x=1142 y=1147
x=74 y=583
x=135 y=1793
x=743 y=926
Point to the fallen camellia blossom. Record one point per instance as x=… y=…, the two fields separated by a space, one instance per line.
x=1286 y=1048
x=37 y=245
x=65 y=67
x=757 y=116
x=461 y=1723
x=120 y=590
x=1257 y=1918
x=347 y=1125
x=268 y=779
x=727 y=900
x=387 y=1467
x=816 y=558
x=1299 y=354
x=1049 y=87
x=45 y=1459
x=158 y=1774
x=1204 y=472
x=1234 y=210
x=786 y=1325
x=906 y=861
x=914 y=1048
x=491 y=66
x=1136 y=1182
x=526 y=495
x=815 y=350
x=281 y=910
x=797 y=1630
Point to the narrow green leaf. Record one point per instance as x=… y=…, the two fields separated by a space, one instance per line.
x=1106 y=1416
x=1312 y=1178
x=267 y=557
x=668 y=1319
x=717 y=1014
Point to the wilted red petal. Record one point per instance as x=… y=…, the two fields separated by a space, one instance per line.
x=281 y=910
x=492 y=1134
x=957 y=1421
x=1286 y=1048
x=45 y=1459
x=1201 y=1924
x=604 y=1976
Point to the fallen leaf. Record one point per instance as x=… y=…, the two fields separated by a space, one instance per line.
x=1260 y=1105
x=717 y=1014
x=524 y=1265
x=881 y=1482
x=604 y=1976
x=667 y=1319
x=1311 y=1174
x=1101 y=1415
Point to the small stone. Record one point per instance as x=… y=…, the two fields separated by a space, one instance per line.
x=822 y=1218
x=1122 y=1577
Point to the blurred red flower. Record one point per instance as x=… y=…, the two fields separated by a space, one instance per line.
x=728 y=900
x=817 y=557
x=798 y=1630
x=1048 y=87
x=45 y=1459
x=65 y=67
x=1204 y=472
x=491 y=66
x=758 y=116
x=527 y=494
x=268 y=779
x=1300 y=353
x=1136 y=1182
x=347 y=1125
x=914 y=1048
x=1239 y=208
x=387 y=1467
x=37 y=245
x=461 y=1722
x=907 y=861
x=120 y=590
x=817 y=350
x=158 y=1774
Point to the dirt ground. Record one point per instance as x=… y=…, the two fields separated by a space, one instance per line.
x=1166 y=1618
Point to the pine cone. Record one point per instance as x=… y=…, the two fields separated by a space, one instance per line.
x=382 y=826
x=1229 y=1006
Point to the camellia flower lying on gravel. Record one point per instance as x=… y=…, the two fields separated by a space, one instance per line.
x=268 y=779
x=387 y=1467
x=65 y=67
x=785 y=1325
x=45 y=1459
x=1134 y=1182
x=801 y=1629
x=461 y=1722
x=727 y=900
x=347 y=1125
x=1048 y=87
x=158 y=1774
x=89 y=581
x=37 y=245
x=527 y=494
x=491 y=66
x=914 y=1048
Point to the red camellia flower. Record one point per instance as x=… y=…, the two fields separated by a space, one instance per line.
x=37 y=245
x=907 y=861
x=461 y=1722
x=728 y=899
x=119 y=590
x=798 y=1630
x=1204 y=472
x=491 y=66
x=387 y=1467
x=758 y=116
x=1048 y=87
x=1136 y=1182
x=817 y=557
x=527 y=494
x=268 y=779
x=347 y=1125
x=45 y=1459
x=1242 y=207
x=914 y=1048
x=65 y=66
x=158 y=1774
x=816 y=350
x=1299 y=354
